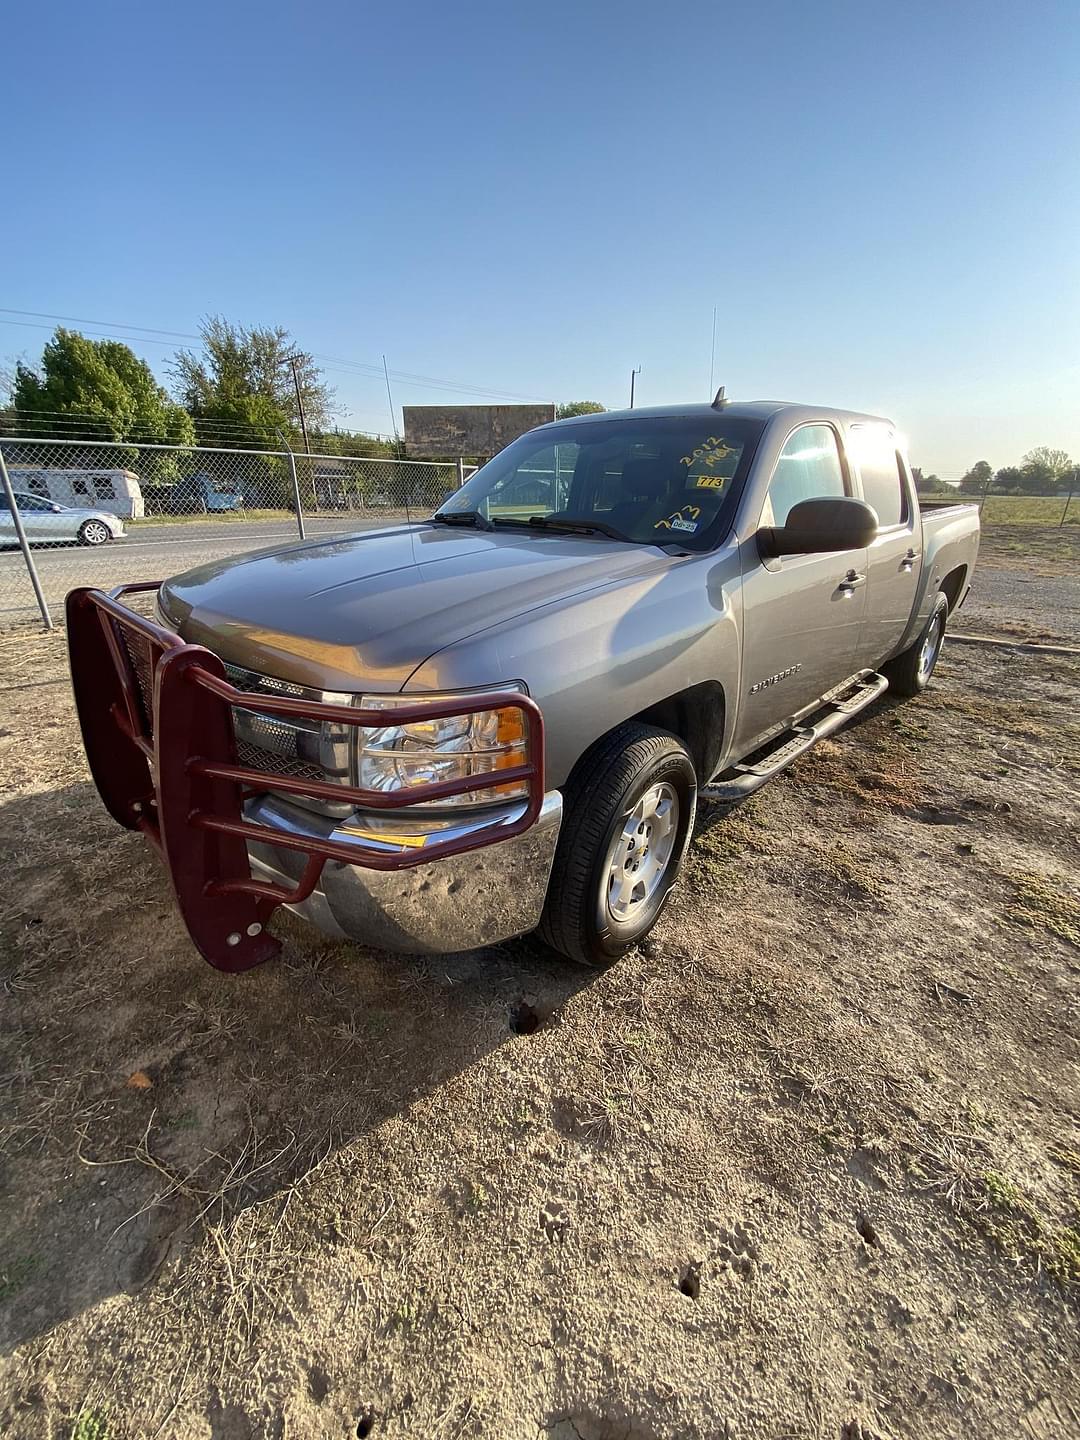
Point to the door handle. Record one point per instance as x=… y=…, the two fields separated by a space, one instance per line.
x=850 y=581
x=908 y=562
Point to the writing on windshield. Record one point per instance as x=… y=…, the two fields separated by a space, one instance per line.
x=653 y=480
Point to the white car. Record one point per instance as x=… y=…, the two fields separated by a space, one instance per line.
x=47 y=522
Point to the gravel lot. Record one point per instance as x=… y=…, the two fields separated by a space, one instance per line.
x=1008 y=600
x=1027 y=583
x=805 y=1167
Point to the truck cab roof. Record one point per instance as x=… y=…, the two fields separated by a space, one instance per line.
x=761 y=410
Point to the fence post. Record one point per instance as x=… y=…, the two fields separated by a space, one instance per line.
x=982 y=497
x=1068 y=502
x=295 y=487
x=460 y=471
x=43 y=606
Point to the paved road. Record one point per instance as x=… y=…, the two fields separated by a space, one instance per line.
x=1000 y=598
x=146 y=554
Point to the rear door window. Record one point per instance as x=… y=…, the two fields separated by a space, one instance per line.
x=873 y=449
x=809 y=468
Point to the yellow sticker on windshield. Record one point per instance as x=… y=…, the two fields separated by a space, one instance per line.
x=709 y=453
x=710 y=482
x=684 y=519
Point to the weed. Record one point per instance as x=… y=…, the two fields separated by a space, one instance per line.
x=1010 y=1219
x=602 y=1118
x=186 y=1120
x=404 y=1318
x=90 y=1425
x=979 y=1115
x=848 y=872
x=1066 y=1158
x=908 y=730
x=727 y=835
x=1043 y=906
x=15 y=1274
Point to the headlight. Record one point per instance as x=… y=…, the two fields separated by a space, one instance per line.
x=425 y=752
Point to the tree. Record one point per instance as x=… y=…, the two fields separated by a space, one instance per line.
x=242 y=382
x=929 y=484
x=579 y=407
x=1042 y=470
x=976 y=480
x=1009 y=480
x=1056 y=461
x=95 y=390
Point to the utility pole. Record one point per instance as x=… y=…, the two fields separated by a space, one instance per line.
x=633 y=373
x=390 y=401
x=292 y=361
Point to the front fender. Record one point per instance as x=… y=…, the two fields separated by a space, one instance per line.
x=595 y=660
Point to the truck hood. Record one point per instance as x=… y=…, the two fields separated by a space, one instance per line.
x=365 y=610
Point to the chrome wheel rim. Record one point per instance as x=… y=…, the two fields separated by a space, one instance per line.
x=95 y=532
x=640 y=853
x=928 y=651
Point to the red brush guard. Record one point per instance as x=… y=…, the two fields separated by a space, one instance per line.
x=157 y=724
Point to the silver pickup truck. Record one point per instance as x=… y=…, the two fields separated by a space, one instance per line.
x=437 y=735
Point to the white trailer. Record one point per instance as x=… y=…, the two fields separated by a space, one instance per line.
x=115 y=491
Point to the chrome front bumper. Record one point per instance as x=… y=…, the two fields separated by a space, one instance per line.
x=458 y=903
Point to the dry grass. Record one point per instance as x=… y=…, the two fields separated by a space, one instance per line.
x=754 y=1176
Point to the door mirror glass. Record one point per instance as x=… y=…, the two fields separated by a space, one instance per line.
x=816 y=526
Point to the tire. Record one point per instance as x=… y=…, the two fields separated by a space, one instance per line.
x=609 y=881
x=94 y=532
x=909 y=673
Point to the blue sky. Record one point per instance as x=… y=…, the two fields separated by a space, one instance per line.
x=882 y=200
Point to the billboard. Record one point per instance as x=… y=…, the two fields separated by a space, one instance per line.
x=437 y=432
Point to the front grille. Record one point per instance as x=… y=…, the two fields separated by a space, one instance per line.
x=254 y=757
x=263 y=742
x=298 y=748
x=252 y=683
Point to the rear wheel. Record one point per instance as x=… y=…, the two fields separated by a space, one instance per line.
x=629 y=813
x=94 y=532
x=909 y=673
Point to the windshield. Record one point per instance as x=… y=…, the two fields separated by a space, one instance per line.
x=655 y=481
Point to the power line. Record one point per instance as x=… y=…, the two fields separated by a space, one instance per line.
x=411 y=378
x=52 y=420
x=358 y=367
x=102 y=334
x=112 y=325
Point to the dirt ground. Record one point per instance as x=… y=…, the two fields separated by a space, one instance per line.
x=807 y=1165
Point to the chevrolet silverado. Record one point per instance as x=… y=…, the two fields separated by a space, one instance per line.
x=436 y=735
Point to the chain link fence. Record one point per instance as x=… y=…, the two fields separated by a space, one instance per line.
x=96 y=513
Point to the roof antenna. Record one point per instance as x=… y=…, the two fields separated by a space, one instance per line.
x=719 y=402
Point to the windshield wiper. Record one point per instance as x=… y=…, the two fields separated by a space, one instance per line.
x=580 y=527
x=462 y=517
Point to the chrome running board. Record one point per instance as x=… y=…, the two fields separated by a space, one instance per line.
x=835 y=710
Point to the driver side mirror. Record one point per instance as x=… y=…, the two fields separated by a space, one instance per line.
x=817 y=526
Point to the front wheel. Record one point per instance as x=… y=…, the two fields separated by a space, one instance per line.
x=629 y=813
x=909 y=673
x=94 y=532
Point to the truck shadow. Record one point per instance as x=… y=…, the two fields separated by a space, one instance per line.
x=714 y=813
x=146 y=1096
